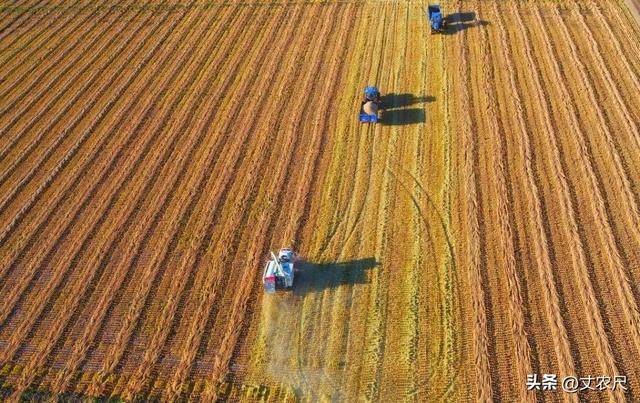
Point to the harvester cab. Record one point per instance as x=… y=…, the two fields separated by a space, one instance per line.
x=371 y=104
x=279 y=271
x=436 y=18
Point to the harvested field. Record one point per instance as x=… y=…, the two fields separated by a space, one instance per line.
x=152 y=153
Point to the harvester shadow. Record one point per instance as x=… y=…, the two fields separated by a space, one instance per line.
x=457 y=22
x=315 y=277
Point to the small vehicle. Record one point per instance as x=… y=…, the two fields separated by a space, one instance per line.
x=436 y=18
x=279 y=271
x=370 y=106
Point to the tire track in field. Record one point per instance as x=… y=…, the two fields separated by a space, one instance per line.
x=484 y=391
x=397 y=342
x=328 y=299
x=542 y=255
x=167 y=324
x=60 y=322
x=371 y=380
x=76 y=358
x=595 y=322
x=445 y=355
x=358 y=216
x=57 y=96
x=612 y=254
x=366 y=135
x=154 y=272
x=37 y=142
x=28 y=243
x=308 y=332
x=369 y=131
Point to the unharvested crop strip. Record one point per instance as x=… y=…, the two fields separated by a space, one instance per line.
x=57 y=240
x=612 y=253
x=97 y=315
x=160 y=330
x=112 y=358
x=60 y=325
x=67 y=158
x=202 y=309
x=57 y=96
x=506 y=258
x=585 y=287
x=371 y=372
x=30 y=20
x=543 y=262
x=61 y=137
x=484 y=391
x=242 y=282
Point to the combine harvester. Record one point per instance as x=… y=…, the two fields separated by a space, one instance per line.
x=436 y=19
x=278 y=273
x=371 y=105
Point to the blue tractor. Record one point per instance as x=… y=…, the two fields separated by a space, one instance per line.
x=436 y=18
x=370 y=106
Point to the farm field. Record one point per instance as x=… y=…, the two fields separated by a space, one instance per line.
x=152 y=153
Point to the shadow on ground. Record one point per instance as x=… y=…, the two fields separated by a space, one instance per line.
x=315 y=277
x=395 y=111
x=399 y=117
x=457 y=22
x=404 y=99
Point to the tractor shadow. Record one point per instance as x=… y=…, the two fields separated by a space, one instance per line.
x=457 y=22
x=402 y=100
x=396 y=113
x=315 y=277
